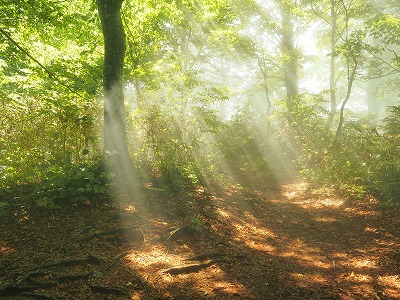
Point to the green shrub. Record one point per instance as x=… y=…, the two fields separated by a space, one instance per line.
x=364 y=159
x=73 y=184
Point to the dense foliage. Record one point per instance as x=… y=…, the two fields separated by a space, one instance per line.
x=213 y=93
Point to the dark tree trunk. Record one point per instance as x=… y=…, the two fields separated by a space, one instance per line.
x=116 y=153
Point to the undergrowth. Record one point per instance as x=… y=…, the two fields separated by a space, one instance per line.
x=364 y=160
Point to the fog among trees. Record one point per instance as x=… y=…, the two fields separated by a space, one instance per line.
x=117 y=101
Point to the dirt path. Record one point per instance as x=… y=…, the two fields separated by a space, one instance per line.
x=242 y=244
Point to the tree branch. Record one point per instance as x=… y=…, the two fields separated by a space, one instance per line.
x=50 y=73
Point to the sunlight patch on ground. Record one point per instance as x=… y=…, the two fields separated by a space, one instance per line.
x=231 y=190
x=360 y=286
x=157 y=258
x=360 y=212
x=6 y=250
x=254 y=237
x=391 y=284
x=306 y=255
x=297 y=193
x=294 y=190
x=250 y=217
x=339 y=255
x=305 y=280
x=223 y=213
x=208 y=282
x=363 y=263
x=308 y=259
x=356 y=278
x=260 y=246
x=128 y=209
x=357 y=263
x=231 y=288
x=324 y=219
x=216 y=198
x=316 y=203
x=360 y=262
x=215 y=283
x=387 y=243
x=248 y=228
x=373 y=230
x=151 y=266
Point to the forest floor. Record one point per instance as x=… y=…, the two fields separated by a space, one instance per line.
x=294 y=242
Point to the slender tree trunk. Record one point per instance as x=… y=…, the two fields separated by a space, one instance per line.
x=116 y=151
x=350 y=80
x=290 y=57
x=264 y=72
x=266 y=90
x=332 y=83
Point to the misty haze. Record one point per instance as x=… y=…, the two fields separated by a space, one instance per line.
x=200 y=149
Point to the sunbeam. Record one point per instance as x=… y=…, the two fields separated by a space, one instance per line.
x=244 y=150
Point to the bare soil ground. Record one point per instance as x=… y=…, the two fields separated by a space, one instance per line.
x=291 y=243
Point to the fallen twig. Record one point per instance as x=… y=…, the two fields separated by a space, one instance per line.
x=191 y=268
x=206 y=256
x=175 y=234
x=220 y=255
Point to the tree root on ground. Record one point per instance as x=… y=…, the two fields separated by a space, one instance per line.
x=174 y=234
x=47 y=276
x=191 y=268
x=205 y=260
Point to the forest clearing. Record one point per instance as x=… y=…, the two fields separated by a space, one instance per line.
x=199 y=149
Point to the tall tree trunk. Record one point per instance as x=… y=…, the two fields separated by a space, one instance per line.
x=332 y=79
x=263 y=69
x=116 y=151
x=290 y=57
x=290 y=67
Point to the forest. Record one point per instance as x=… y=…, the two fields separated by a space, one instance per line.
x=199 y=149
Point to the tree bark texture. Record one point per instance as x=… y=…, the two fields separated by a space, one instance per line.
x=116 y=150
x=114 y=53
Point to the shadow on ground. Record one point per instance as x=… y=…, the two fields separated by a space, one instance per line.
x=240 y=243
